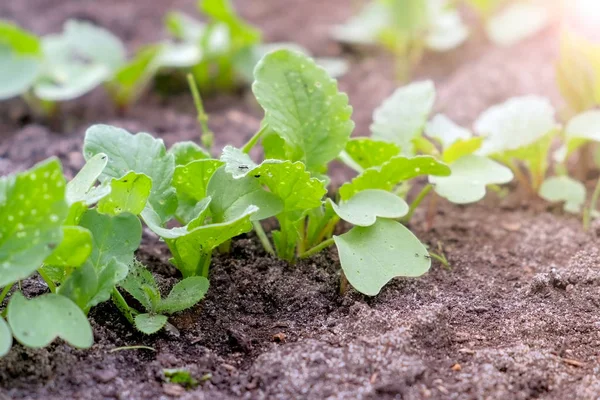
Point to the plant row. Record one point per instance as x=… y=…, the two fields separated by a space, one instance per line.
x=80 y=236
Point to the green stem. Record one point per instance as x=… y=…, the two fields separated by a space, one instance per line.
x=205 y=264
x=5 y=292
x=260 y=232
x=441 y=258
x=206 y=137
x=48 y=281
x=587 y=213
x=122 y=305
x=417 y=201
x=317 y=248
x=254 y=139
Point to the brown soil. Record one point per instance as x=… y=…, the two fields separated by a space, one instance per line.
x=516 y=317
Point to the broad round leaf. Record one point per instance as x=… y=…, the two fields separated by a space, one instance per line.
x=365 y=207
x=372 y=256
x=80 y=187
x=517 y=22
x=76 y=80
x=517 y=123
x=37 y=322
x=402 y=116
x=32 y=209
x=73 y=250
x=446 y=131
x=584 y=126
x=140 y=153
x=564 y=189
x=363 y=28
x=367 y=153
x=128 y=194
x=446 y=28
x=470 y=175
x=185 y=152
x=95 y=43
x=303 y=105
x=5 y=338
x=150 y=323
x=19 y=73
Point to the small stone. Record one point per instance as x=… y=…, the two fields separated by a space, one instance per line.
x=279 y=337
x=171 y=389
x=105 y=375
x=456 y=367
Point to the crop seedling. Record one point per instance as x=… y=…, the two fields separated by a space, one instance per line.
x=407 y=28
x=223 y=52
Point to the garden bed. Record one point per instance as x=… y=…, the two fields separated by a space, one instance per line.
x=515 y=316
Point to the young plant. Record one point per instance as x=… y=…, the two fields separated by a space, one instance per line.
x=406 y=28
x=140 y=284
x=223 y=52
x=58 y=67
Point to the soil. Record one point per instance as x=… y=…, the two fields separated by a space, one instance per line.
x=515 y=317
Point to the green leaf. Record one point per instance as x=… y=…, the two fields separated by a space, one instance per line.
x=154 y=223
x=184 y=295
x=363 y=28
x=446 y=29
x=462 y=148
x=368 y=153
x=128 y=194
x=81 y=187
x=192 y=251
x=231 y=197
x=141 y=285
x=186 y=152
x=391 y=173
x=73 y=250
x=446 y=131
x=5 y=338
x=96 y=44
x=303 y=105
x=365 y=207
x=150 y=323
x=517 y=123
x=74 y=81
x=191 y=182
x=132 y=78
x=19 y=40
x=402 y=117
x=19 y=73
x=517 y=22
x=114 y=237
x=564 y=189
x=37 y=322
x=32 y=209
x=242 y=34
x=237 y=163
x=184 y=27
x=372 y=256
x=140 y=153
x=582 y=128
x=470 y=176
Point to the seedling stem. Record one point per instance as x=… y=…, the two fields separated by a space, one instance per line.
x=317 y=248
x=587 y=213
x=260 y=232
x=48 y=281
x=206 y=137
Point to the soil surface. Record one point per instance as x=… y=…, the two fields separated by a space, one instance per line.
x=517 y=316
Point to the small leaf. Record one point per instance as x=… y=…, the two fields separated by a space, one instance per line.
x=32 y=209
x=141 y=285
x=128 y=194
x=517 y=22
x=37 y=322
x=372 y=256
x=365 y=207
x=153 y=221
x=75 y=81
x=132 y=78
x=363 y=28
x=19 y=40
x=150 y=323
x=5 y=338
x=184 y=295
x=191 y=182
x=237 y=163
x=184 y=27
x=470 y=176
x=462 y=148
x=140 y=153
x=446 y=131
x=114 y=237
x=517 y=123
x=193 y=249
x=231 y=197
x=303 y=105
x=80 y=188
x=584 y=126
x=564 y=189
x=186 y=152
x=73 y=250
x=402 y=117
x=242 y=33
x=368 y=153
x=391 y=173
x=96 y=44
x=446 y=28
x=19 y=73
